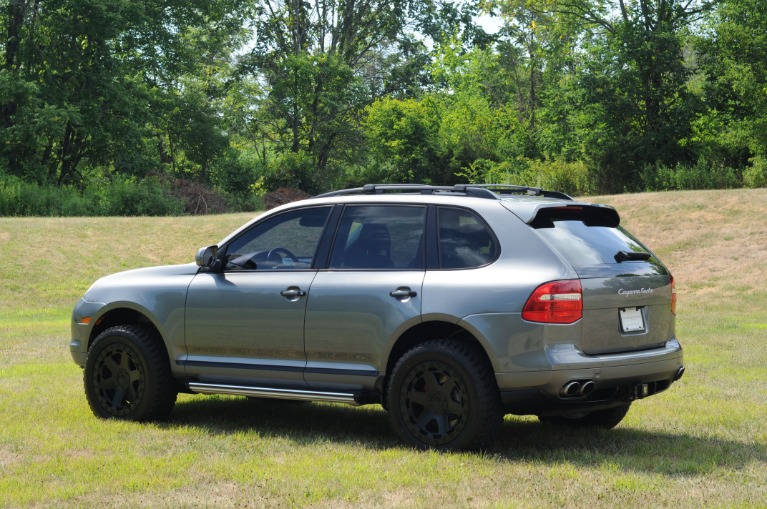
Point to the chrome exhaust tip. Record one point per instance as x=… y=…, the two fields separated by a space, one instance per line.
x=587 y=388
x=577 y=388
x=570 y=389
x=679 y=373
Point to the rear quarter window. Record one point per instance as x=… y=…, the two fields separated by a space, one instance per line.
x=465 y=241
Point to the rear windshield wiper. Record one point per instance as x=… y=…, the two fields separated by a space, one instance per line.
x=623 y=256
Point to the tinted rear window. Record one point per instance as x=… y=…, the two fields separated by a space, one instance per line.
x=585 y=246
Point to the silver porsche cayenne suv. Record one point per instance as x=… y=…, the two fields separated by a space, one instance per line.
x=448 y=306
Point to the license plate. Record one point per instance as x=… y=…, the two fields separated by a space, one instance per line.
x=632 y=319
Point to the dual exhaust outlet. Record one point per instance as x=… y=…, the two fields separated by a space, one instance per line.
x=577 y=388
x=583 y=387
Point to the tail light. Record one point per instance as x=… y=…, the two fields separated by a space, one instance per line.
x=555 y=302
x=673 y=295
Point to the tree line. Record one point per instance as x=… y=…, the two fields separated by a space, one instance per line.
x=244 y=96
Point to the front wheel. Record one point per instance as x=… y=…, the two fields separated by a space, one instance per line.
x=127 y=375
x=442 y=395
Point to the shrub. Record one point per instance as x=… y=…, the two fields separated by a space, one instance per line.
x=569 y=177
x=244 y=202
x=20 y=198
x=291 y=169
x=702 y=175
x=118 y=197
x=123 y=196
x=756 y=174
x=236 y=171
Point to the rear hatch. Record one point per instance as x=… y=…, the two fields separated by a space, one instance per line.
x=627 y=291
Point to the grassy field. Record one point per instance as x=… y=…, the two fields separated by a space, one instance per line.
x=701 y=444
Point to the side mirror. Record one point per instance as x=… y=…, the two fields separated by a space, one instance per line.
x=206 y=257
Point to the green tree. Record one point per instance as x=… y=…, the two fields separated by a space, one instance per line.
x=90 y=87
x=636 y=73
x=436 y=137
x=402 y=137
x=468 y=126
x=733 y=59
x=312 y=56
x=322 y=63
x=615 y=76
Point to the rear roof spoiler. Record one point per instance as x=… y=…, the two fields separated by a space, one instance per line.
x=543 y=215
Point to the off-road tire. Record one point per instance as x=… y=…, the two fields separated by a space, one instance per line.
x=442 y=395
x=127 y=375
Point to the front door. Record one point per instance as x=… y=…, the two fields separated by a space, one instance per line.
x=246 y=324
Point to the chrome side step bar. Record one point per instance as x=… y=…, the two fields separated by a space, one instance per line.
x=271 y=392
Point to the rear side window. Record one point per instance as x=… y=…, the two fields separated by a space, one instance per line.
x=380 y=237
x=464 y=240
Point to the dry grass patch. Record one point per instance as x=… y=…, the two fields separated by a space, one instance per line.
x=711 y=240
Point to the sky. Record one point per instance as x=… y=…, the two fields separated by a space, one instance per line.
x=491 y=24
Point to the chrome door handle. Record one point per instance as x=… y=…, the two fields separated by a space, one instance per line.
x=403 y=293
x=293 y=293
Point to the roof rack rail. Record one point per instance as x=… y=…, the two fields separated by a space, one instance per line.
x=512 y=189
x=487 y=191
x=395 y=188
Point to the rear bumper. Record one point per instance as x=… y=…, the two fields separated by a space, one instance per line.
x=611 y=380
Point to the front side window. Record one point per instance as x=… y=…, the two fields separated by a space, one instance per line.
x=464 y=240
x=380 y=237
x=287 y=241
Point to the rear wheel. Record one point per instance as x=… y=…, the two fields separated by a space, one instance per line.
x=442 y=395
x=127 y=375
x=605 y=419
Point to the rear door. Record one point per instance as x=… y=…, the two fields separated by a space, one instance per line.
x=370 y=293
x=627 y=291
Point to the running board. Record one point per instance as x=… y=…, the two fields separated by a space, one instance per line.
x=270 y=392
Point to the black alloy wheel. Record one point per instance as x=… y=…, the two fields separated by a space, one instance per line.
x=442 y=395
x=434 y=402
x=127 y=375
